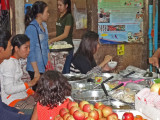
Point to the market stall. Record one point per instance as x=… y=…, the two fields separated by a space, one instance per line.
x=121 y=95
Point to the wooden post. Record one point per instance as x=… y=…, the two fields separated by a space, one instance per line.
x=92 y=16
x=12 y=17
x=17 y=16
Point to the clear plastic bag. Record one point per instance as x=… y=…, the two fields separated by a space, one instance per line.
x=80 y=18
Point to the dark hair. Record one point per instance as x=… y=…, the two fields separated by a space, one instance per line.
x=88 y=45
x=18 y=40
x=5 y=36
x=65 y=2
x=52 y=89
x=37 y=7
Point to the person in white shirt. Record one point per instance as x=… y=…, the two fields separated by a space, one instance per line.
x=13 y=89
x=7 y=112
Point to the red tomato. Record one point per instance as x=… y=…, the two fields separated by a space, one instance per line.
x=127 y=116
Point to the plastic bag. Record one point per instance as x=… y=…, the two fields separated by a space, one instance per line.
x=49 y=66
x=80 y=18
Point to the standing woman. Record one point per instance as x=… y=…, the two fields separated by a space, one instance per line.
x=36 y=30
x=64 y=29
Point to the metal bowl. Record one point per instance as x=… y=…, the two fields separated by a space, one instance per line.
x=92 y=96
x=80 y=86
x=74 y=78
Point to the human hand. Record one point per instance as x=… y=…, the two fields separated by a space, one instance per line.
x=49 y=42
x=36 y=74
x=34 y=80
x=36 y=77
x=107 y=59
x=106 y=68
x=21 y=112
x=154 y=61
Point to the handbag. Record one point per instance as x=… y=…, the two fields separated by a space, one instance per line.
x=49 y=65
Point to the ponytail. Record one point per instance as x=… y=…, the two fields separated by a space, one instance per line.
x=28 y=16
x=37 y=7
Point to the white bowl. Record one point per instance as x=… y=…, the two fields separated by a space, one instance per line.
x=112 y=64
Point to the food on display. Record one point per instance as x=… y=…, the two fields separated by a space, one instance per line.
x=113 y=85
x=60 y=45
x=71 y=104
x=99 y=111
x=155 y=87
x=126 y=95
x=128 y=116
x=96 y=105
x=112 y=116
x=82 y=103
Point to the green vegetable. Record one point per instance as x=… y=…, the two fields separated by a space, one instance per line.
x=157 y=80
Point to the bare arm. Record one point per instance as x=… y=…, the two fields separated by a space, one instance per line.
x=52 y=34
x=34 y=115
x=154 y=60
x=62 y=36
x=105 y=61
x=157 y=53
x=36 y=74
x=35 y=68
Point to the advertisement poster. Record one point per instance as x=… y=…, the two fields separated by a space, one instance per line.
x=120 y=21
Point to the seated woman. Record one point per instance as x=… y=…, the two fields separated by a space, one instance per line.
x=13 y=89
x=83 y=60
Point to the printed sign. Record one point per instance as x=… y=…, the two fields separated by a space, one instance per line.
x=120 y=21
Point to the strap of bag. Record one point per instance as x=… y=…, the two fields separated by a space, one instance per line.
x=39 y=43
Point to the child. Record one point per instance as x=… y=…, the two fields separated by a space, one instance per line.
x=13 y=89
x=52 y=90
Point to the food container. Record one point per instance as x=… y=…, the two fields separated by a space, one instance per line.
x=118 y=104
x=92 y=96
x=74 y=78
x=80 y=86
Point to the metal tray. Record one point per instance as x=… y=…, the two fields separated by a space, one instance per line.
x=60 y=50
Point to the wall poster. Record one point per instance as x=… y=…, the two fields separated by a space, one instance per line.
x=120 y=21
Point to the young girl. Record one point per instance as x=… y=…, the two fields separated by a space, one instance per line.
x=64 y=29
x=13 y=89
x=37 y=32
x=52 y=90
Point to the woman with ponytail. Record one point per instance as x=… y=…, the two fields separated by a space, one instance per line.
x=64 y=29
x=36 y=30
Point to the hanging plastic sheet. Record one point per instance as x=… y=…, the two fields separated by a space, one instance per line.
x=80 y=18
